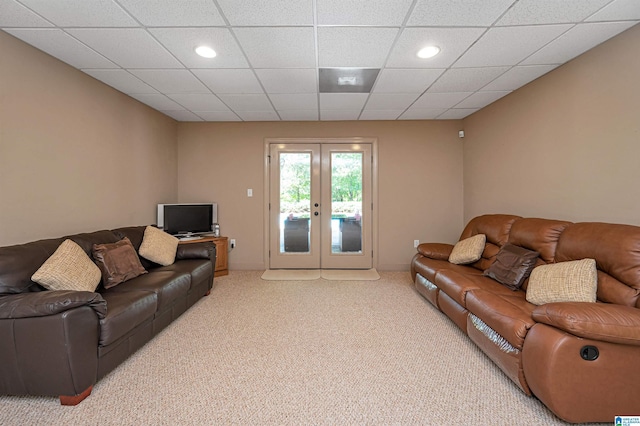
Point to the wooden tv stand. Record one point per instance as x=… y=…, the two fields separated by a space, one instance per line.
x=222 y=247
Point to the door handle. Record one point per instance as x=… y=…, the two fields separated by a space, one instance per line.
x=316 y=205
x=316 y=213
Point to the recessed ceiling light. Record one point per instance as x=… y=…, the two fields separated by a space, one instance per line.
x=428 y=52
x=205 y=52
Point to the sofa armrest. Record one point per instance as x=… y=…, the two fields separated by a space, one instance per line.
x=45 y=303
x=436 y=251
x=206 y=250
x=598 y=321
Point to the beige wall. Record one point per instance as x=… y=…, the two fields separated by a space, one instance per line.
x=420 y=180
x=75 y=154
x=565 y=146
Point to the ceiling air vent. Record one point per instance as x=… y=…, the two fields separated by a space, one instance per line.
x=347 y=80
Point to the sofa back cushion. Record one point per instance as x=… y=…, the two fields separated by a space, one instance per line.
x=496 y=227
x=18 y=263
x=135 y=235
x=539 y=235
x=616 y=250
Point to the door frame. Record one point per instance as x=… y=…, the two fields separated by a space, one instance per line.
x=321 y=141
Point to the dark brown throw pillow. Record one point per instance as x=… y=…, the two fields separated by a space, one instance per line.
x=118 y=262
x=512 y=266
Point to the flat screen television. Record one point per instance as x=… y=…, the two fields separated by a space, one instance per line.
x=187 y=218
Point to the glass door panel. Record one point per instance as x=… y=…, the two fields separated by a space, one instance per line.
x=346 y=202
x=295 y=202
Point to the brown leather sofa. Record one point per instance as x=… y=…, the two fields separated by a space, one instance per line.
x=579 y=358
x=61 y=343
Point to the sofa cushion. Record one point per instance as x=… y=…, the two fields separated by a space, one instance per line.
x=428 y=268
x=539 y=235
x=512 y=266
x=199 y=269
x=68 y=268
x=509 y=315
x=118 y=262
x=456 y=284
x=573 y=281
x=167 y=285
x=125 y=311
x=468 y=250
x=158 y=246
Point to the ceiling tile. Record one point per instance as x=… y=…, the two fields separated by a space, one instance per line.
x=466 y=79
x=239 y=81
x=271 y=12
x=171 y=81
x=509 y=45
x=406 y=81
x=61 y=45
x=518 y=76
x=121 y=80
x=82 y=13
x=452 y=42
x=13 y=14
x=527 y=12
x=278 y=47
x=299 y=115
x=182 y=115
x=458 y=13
x=618 y=10
x=421 y=113
x=380 y=114
x=170 y=13
x=259 y=115
x=350 y=101
x=457 y=114
x=199 y=102
x=301 y=101
x=576 y=41
x=181 y=42
x=354 y=46
x=339 y=114
x=247 y=102
x=159 y=102
x=481 y=99
x=390 y=101
x=127 y=47
x=288 y=80
x=362 y=12
x=439 y=100
x=218 y=115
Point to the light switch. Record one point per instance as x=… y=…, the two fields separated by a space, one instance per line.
x=249 y=192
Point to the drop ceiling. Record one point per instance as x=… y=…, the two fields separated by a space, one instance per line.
x=269 y=52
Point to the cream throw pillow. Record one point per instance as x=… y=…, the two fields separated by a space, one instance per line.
x=68 y=268
x=158 y=246
x=468 y=250
x=573 y=281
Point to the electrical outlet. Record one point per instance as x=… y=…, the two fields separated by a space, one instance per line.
x=416 y=243
x=232 y=242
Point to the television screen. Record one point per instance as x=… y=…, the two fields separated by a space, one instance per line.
x=187 y=218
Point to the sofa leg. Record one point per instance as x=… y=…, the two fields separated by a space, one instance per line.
x=75 y=399
x=207 y=293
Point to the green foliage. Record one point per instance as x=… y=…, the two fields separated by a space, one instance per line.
x=346 y=176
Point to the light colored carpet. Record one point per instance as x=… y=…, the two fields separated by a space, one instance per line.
x=317 y=352
x=314 y=274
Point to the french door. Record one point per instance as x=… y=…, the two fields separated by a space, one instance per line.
x=320 y=206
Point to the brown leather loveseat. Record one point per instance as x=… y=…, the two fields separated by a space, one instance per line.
x=61 y=342
x=579 y=358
